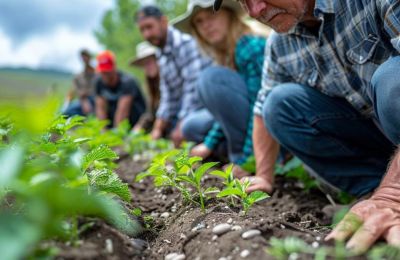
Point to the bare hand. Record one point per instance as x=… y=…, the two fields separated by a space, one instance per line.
x=86 y=107
x=156 y=134
x=258 y=183
x=369 y=220
x=201 y=150
x=177 y=136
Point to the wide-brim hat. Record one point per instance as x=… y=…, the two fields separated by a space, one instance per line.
x=183 y=23
x=143 y=51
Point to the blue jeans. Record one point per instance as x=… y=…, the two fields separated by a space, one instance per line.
x=344 y=148
x=224 y=94
x=75 y=108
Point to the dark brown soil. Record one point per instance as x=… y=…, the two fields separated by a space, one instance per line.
x=290 y=211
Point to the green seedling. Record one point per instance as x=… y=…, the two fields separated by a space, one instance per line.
x=237 y=190
x=181 y=175
x=294 y=169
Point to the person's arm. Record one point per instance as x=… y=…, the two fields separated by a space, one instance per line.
x=159 y=127
x=266 y=151
x=123 y=109
x=164 y=111
x=101 y=108
x=212 y=139
x=374 y=218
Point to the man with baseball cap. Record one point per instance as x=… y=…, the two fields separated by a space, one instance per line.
x=180 y=63
x=118 y=95
x=330 y=96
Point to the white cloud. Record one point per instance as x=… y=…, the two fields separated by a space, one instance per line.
x=59 y=49
x=56 y=46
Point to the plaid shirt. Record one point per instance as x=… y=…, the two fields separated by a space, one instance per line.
x=180 y=63
x=249 y=60
x=339 y=59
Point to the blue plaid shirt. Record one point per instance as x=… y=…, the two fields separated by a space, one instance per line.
x=339 y=58
x=180 y=63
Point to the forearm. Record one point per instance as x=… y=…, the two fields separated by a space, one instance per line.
x=390 y=185
x=101 y=108
x=160 y=125
x=266 y=150
x=120 y=115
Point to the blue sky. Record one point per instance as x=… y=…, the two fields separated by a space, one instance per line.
x=48 y=33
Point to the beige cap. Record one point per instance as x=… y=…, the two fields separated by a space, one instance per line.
x=143 y=50
x=182 y=22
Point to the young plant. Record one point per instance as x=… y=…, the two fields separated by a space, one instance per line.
x=181 y=175
x=237 y=190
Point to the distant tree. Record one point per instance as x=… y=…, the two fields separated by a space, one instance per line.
x=119 y=33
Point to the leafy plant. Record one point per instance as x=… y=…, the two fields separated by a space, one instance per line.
x=181 y=175
x=294 y=169
x=237 y=189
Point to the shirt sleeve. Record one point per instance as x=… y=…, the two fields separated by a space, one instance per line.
x=194 y=63
x=163 y=110
x=273 y=73
x=389 y=11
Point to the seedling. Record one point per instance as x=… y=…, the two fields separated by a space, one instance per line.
x=237 y=190
x=181 y=175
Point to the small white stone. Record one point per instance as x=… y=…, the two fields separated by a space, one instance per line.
x=154 y=214
x=182 y=236
x=293 y=256
x=180 y=257
x=221 y=229
x=315 y=244
x=109 y=246
x=318 y=238
x=222 y=258
x=167 y=241
x=171 y=256
x=229 y=221
x=164 y=197
x=165 y=215
x=215 y=237
x=244 y=253
x=236 y=228
x=282 y=226
x=251 y=233
x=242 y=213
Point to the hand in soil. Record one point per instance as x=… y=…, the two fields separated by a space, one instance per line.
x=177 y=136
x=156 y=134
x=258 y=183
x=370 y=220
x=200 y=150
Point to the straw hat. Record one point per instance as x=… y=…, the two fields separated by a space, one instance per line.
x=143 y=50
x=183 y=22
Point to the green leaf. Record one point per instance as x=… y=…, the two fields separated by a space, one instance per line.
x=211 y=190
x=107 y=181
x=186 y=179
x=219 y=173
x=257 y=196
x=102 y=152
x=202 y=170
x=230 y=191
x=11 y=161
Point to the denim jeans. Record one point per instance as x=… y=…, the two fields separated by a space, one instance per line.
x=224 y=94
x=343 y=147
x=75 y=107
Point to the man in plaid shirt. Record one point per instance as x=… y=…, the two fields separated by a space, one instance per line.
x=180 y=63
x=330 y=95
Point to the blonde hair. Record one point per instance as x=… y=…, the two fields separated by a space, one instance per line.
x=237 y=28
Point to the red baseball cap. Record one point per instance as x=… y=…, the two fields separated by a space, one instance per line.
x=106 y=61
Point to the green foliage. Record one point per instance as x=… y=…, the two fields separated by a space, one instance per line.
x=47 y=171
x=237 y=189
x=181 y=175
x=384 y=252
x=138 y=143
x=294 y=169
x=282 y=248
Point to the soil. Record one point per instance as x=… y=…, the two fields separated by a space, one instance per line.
x=290 y=211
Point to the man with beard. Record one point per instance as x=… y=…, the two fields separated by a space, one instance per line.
x=180 y=63
x=329 y=95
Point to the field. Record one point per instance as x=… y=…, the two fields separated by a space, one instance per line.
x=27 y=82
x=70 y=190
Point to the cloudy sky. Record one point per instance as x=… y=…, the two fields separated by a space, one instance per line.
x=48 y=33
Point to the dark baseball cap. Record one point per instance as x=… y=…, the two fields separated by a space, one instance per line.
x=217 y=4
x=148 y=11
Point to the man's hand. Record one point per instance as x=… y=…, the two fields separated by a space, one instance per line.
x=86 y=106
x=201 y=150
x=258 y=183
x=156 y=134
x=369 y=220
x=177 y=136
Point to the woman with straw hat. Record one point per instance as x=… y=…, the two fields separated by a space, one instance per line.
x=229 y=89
x=146 y=59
